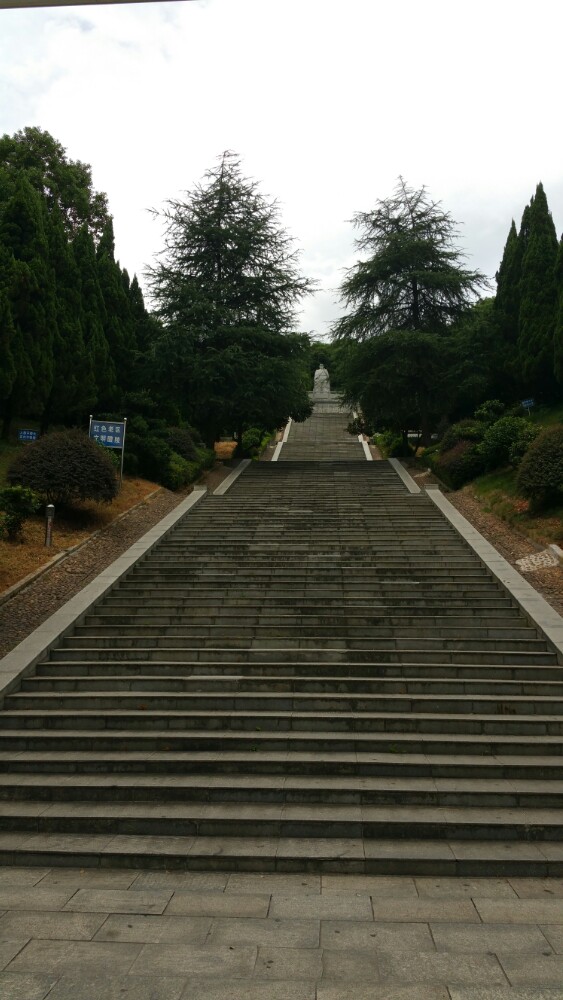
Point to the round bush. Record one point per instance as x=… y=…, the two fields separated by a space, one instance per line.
x=65 y=467
x=540 y=476
x=251 y=440
x=182 y=442
x=459 y=465
x=464 y=430
x=509 y=436
x=490 y=411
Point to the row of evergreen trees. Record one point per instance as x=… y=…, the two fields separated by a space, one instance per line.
x=528 y=306
x=74 y=329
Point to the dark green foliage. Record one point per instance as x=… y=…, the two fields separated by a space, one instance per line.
x=458 y=465
x=538 y=299
x=507 y=299
x=540 y=476
x=464 y=430
x=226 y=287
x=505 y=441
x=558 y=333
x=489 y=411
x=412 y=276
x=65 y=467
x=251 y=440
x=16 y=504
x=182 y=442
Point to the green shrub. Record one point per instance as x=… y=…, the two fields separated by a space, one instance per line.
x=509 y=436
x=182 y=442
x=458 y=465
x=17 y=503
x=65 y=467
x=391 y=445
x=540 y=476
x=251 y=440
x=178 y=472
x=490 y=411
x=464 y=430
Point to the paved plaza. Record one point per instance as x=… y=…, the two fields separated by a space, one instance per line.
x=90 y=934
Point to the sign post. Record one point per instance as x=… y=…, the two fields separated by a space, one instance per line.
x=527 y=404
x=110 y=433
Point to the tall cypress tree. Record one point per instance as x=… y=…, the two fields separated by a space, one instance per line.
x=558 y=335
x=507 y=299
x=538 y=299
x=119 y=326
x=94 y=319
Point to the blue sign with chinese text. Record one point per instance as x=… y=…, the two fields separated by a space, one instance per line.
x=28 y=435
x=110 y=433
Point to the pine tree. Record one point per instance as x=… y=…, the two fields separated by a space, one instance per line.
x=119 y=326
x=558 y=334
x=94 y=319
x=538 y=299
x=507 y=300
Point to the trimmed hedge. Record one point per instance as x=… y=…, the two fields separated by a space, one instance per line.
x=458 y=465
x=65 y=467
x=540 y=476
x=506 y=441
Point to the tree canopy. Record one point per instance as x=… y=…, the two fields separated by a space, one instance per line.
x=225 y=288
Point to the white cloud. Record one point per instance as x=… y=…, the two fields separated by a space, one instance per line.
x=326 y=102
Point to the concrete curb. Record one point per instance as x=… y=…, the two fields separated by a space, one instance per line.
x=281 y=443
x=404 y=475
x=21 y=660
x=31 y=577
x=534 y=606
x=365 y=446
x=228 y=482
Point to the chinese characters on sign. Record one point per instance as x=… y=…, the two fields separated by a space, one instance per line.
x=28 y=435
x=110 y=434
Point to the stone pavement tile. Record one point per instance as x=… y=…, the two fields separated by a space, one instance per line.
x=288 y=963
x=121 y=988
x=473 y=938
x=344 y=934
x=536 y=888
x=533 y=970
x=316 y=847
x=350 y=965
x=9 y=949
x=468 y=850
x=19 y=986
x=372 y=991
x=219 y=904
x=504 y=993
x=71 y=843
x=152 y=929
x=188 y=960
x=520 y=911
x=278 y=882
x=277 y=933
x=552 y=851
x=180 y=880
x=33 y=898
x=329 y=907
x=80 y=957
x=21 y=876
x=119 y=901
x=253 y=847
x=229 y=989
x=88 y=878
x=425 y=967
x=18 y=924
x=458 y=910
x=434 y=850
x=457 y=888
x=554 y=934
x=128 y=844
x=370 y=885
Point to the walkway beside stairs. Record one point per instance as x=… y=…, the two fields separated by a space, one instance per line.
x=308 y=748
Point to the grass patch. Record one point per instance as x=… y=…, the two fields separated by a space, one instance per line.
x=499 y=495
x=547 y=415
x=71 y=526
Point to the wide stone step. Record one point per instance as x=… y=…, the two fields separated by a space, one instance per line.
x=205 y=819
x=279 y=720
x=302 y=790
x=260 y=741
x=151 y=617
x=285 y=763
x=292 y=701
x=335 y=671
x=119 y=633
x=170 y=684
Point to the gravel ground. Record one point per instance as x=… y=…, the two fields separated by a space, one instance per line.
x=510 y=544
x=30 y=607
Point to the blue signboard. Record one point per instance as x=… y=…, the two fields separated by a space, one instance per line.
x=528 y=403
x=111 y=434
x=28 y=435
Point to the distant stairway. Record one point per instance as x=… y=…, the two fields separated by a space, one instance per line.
x=312 y=672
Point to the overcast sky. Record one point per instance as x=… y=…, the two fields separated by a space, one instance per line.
x=326 y=103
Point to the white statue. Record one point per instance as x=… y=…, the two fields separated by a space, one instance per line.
x=321 y=382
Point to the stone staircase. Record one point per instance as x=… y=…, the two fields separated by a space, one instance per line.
x=312 y=672
x=323 y=438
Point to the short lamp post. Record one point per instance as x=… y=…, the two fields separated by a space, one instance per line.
x=49 y=518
